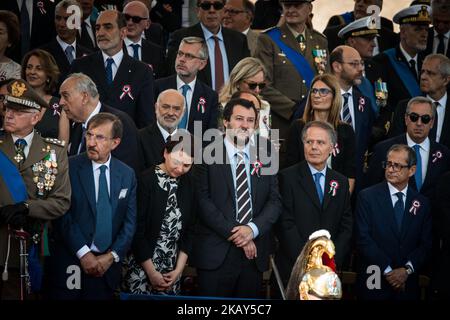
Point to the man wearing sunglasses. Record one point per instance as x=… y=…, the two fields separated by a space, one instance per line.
x=393 y=231
x=137 y=16
x=432 y=157
x=434 y=80
x=225 y=47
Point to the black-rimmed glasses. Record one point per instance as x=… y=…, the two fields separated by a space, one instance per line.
x=394 y=165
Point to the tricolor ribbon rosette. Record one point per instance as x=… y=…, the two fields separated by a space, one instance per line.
x=437 y=155
x=40 y=5
x=126 y=90
x=201 y=105
x=335 y=150
x=256 y=168
x=334 y=185
x=56 y=109
x=362 y=103
x=414 y=207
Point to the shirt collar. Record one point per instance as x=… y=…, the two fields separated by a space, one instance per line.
x=164 y=132
x=191 y=84
x=93 y=113
x=425 y=145
x=393 y=190
x=64 y=45
x=295 y=33
x=442 y=101
x=350 y=91
x=246 y=31
x=96 y=165
x=232 y=150
x=208 y=34
x=407 y=56
x=88 y=21
x=314 y=170
x=128 y=42
x=446 y=35
x=117 y=58
x=28 y=138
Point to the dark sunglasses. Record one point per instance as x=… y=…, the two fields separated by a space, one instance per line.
x=414 y=117
x=321 y=91
x=135 y=19
x=253 y=85
x=207 y=5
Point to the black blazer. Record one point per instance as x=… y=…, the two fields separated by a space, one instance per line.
x=235 y=42
x=86 y=41
x=151 y=208
x=131 y=72
x=217 y=212
x=201 y=90
x=155 y=34
x=340 y=161
x=153 y=55
x=126 y=151
x=57 y=52
x=303 y=214
x=430 y=41
x=435 y=169
x=151 y=146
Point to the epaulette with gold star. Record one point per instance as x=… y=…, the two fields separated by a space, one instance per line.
x=55 y=141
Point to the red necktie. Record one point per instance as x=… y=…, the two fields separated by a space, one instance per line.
x=218 y=65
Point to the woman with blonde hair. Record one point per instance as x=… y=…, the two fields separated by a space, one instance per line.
x=324 y=104
x=40 y=70
x=249 y=74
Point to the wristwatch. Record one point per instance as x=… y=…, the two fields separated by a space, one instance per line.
x=409 y=270
x=115 y=256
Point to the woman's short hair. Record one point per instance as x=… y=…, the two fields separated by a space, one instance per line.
x=244 y=69
x=12 y=27
x=336 y=104
x=49 y=66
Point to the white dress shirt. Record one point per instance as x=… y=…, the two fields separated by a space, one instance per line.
x=409 y=58
x=28 y=139
x=130 y=49
x=322 y=177
x=117 y=60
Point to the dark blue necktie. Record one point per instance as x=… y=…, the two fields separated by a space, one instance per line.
x=109 y=73
x=183 y=123
x=135 y=47
x=69 y=53
x=399 y=209
x=20 y=150
x=346 y=116
x=433 y=131
x=82 y=145
x=317 y=176
x=418 y=174
x=103 y=226
x=24 y=29
x=441 y=44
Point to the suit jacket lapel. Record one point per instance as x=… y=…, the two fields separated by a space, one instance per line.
x=194 y=101
x=408 y=216
x=385 y=197
x=226 y=170
x=358 y=119
x=122 y=72
x=115 y=184
x=205 y=74
x=306 y=180
x=99 y=69
x=326 y=195
x=86 y=176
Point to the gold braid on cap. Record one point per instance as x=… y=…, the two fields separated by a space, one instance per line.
x=422 y=16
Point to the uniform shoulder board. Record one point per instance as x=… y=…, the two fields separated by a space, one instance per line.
x=54 y=141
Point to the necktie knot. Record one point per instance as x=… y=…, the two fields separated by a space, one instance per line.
x=412 y=63
x=416 y=148
x=300 y=38
x=346 y=95
x=399 y=196
x=135 y=47
x=109 y=62
x=20 y=143
x=103 y=169
x=441 y=36
x=69 y=53
x=185 y=88
x=437 y=104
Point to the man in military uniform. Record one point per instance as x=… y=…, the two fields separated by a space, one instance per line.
x=34 y=187
x=293 y=54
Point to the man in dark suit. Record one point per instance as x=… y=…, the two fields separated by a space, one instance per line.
x=347 y=66
x=64 y=48
x=86 y=34
x=439 y=34
x=314 y=197
x=393 y=231
x=434 y=80
x=433 y=159
x=403 y=63
x=136 y=14
x=96 y=233
x=123 y=82
x=169 y=109
x=80 y=100
x=36 y=24
x=231 y=45
x=201 y=101
x=238 y=204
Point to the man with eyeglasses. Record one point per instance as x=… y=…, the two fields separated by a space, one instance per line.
x=95 y=234
x=347 y=66
x=433 y=158
x=34 y=188
x=201 y=101
x=169 y=109
x=403 y=63
x=137 y=17
x=64 y=47
x=239 y=16
x=434 y=80
x=393 y=231
x=80 y=100
x=122 y=82
x=225 y=47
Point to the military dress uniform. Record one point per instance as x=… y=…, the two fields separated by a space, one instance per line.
x=287 y=87
x=44 y=172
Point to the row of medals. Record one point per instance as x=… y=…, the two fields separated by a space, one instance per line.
x=45 y=172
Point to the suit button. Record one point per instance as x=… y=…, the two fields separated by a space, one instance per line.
x=303 y=96
x=303 y=81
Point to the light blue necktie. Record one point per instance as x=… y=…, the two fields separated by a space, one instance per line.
x=109 y=74
x=135 y=47
x=69 y=54
x=317 y=176
x=346 y=116
x=103 y=225
x=184 y=121
x=418 y=174
x=399 y=209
